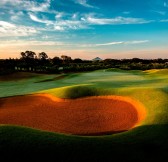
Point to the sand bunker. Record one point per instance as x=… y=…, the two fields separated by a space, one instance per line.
x=84 y=116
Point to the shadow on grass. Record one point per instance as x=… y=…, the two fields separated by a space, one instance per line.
x=80 y=91
x=102 y=133
x=145 y=143
x=16 y=76
x=58 y=78
x=52 y=79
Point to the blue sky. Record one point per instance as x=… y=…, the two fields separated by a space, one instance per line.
x=85 y=28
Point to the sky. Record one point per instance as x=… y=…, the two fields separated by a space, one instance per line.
x=85 y=29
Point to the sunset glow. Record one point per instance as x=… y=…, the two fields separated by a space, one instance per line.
x=85 y=28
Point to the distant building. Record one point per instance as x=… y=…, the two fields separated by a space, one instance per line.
x=97 y=59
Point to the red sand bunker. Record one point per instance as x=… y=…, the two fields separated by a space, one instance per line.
x=85 y=116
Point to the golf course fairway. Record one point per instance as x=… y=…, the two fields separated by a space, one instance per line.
x=98 y=116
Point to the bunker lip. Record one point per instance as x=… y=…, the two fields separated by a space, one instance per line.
x=88 y=116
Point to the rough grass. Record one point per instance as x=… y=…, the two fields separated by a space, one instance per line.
x=147 y=142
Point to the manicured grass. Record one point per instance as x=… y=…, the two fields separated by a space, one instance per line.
x=147 y=142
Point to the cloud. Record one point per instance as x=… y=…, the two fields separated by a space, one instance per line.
x=165 y=4
x=59 y=28
x=36 y=19
x=6 y=24
x=60 y=24
x=59 y=15
x=136 y=42
x=26 y=5
x=126 y=12
x=84 y=3
x=75 y=16
x=78 y=21
x=159 y=12
x=115 y=21
x=85 y=21
x=71 y=24
x=63 y=21
x=108 y=44
x=165 y=20
x=9 y=29
x=116 y=43
x=29 y=43
x=16 y=15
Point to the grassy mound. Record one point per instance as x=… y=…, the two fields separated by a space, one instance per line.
x=73 y=92
x=157 y=71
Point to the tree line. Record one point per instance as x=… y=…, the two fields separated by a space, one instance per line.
x=41 y=63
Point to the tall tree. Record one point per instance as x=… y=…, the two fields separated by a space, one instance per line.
x=56 y=60
x=66 y=59
x=28 y=55
x=42 y=56
x=28 y=58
